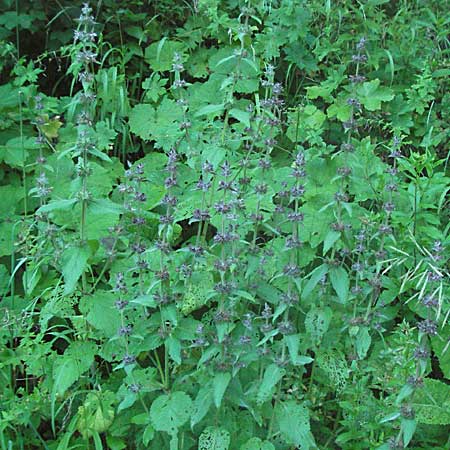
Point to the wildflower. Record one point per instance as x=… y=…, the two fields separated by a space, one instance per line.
x=125 y=330
x=421 y=353
x=128 y=359
x=428 y=326
x=134 y=388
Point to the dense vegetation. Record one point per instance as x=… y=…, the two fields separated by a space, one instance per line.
x=224 y=224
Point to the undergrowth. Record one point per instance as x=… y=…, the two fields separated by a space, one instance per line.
x=224 y=225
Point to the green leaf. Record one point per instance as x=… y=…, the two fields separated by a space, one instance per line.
x=370 y=94
x=213 y=438
x=58 y=205
x=330 y=239
x=142 y=117
x=159 y=55
x=340 y=282
x=74 y=263
x=315 y=276
x=221 y=381
x=210 y=110
x=149 y=434
x=317 y=322
x=68 y=368
x=432 y=403
x=443 y=354
x=169 y=412
x=174 y=347
x=242 y=116
x=159 y=124
x=408 y=426
x=293 y=344
x=101 y=313
x=104 y=206
x=256 y=443
x=4 y=279
x=293 y=421
x=145 y=300
x=363 y=341
x=272 y=375
x=96 y=414
x=201 y=405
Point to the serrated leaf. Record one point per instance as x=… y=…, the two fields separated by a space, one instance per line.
x=340 y=282
x=159 y=124
x=256 y=443
x=317 y=322
x=432 y=403
x=68 y=368
x=293 y=421
x=101 y=313
x=201 y=404
x=272 y=375
x=169 y=412
x=58 y=205
x=315 y=276
x=213 y=110
x=174 y=348
x=330 y=239
x=221 y=381
x=371 y=94
x=74 y=263
x=141 y=119
x=363 y=341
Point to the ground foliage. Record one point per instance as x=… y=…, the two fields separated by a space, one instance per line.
x=224 y=225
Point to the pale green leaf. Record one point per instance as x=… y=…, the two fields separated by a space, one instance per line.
x=214 y=438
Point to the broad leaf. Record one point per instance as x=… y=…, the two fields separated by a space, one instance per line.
x=170 y=412
x=213 y=438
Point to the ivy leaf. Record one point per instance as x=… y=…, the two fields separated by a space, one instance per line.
x=213 y=438
x=170 y=412
x=293 y=421
x=370 y=94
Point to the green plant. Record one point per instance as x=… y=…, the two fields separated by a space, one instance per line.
x=224 y=226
